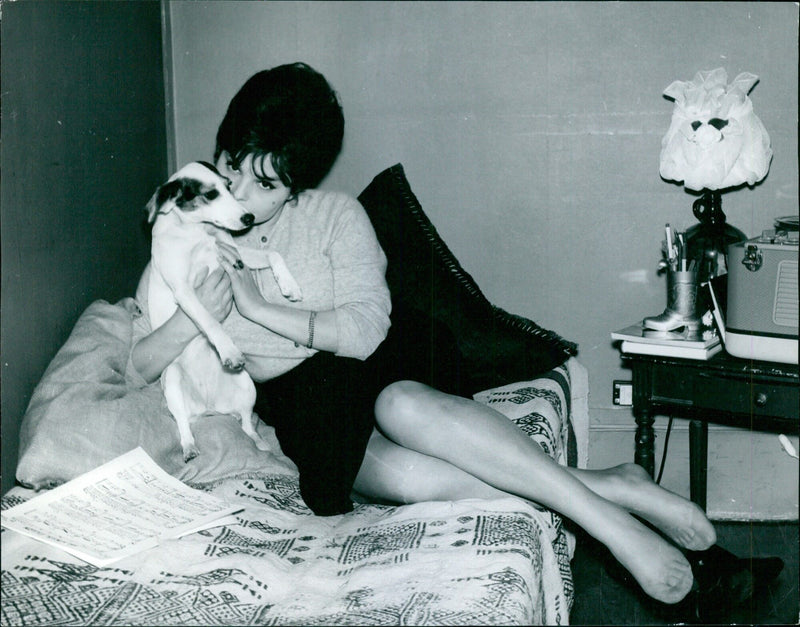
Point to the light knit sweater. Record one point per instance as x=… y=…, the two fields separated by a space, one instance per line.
x=330 y=247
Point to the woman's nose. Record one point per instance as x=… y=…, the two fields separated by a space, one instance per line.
x=239 y=188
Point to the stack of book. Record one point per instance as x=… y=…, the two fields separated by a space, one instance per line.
x=637 y=339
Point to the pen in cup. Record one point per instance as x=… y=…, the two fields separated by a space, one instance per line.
x=671 y=249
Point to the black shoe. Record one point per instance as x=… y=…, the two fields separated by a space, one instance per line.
x=726 y=582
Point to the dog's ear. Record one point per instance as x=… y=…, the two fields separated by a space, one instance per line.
x=211 y=167
x=182 y=192
x=165 y=192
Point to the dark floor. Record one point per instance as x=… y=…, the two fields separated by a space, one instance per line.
x=601 y=599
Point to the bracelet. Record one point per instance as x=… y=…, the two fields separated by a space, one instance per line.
x=311 y=317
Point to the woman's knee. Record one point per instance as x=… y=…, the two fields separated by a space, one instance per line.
x=401 y=402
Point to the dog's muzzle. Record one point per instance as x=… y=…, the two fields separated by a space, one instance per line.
x=248 y=219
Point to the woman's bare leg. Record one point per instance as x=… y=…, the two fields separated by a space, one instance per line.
x=398 y=474
x=484 y=444
x=629 y=486
x=402 y=475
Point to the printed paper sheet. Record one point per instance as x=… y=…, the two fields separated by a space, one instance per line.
x=121 y=508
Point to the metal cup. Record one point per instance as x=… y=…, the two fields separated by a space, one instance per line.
x=682 y=293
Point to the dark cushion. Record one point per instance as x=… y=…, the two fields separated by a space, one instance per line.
x=430 y=288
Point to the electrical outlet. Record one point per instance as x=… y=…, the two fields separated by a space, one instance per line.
x=623 y=393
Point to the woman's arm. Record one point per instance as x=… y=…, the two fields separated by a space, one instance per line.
x=160 y=348
x=289 y=322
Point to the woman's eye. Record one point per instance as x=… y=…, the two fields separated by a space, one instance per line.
x=263 y=184
x=232 y=166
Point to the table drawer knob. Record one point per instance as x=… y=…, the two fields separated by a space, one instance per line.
x=761 y=399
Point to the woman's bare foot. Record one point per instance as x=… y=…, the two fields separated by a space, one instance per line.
x=680 y=519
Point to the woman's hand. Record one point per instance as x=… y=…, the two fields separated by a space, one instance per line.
x=246 y=294
x=214 y=291
x=292 y=323
x=161 y=347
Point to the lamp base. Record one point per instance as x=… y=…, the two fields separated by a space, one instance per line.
x=708 y=241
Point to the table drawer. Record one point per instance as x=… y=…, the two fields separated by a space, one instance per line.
x=756 y=399
x=735 y=395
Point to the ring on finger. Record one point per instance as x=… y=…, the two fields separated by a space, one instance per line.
x=238 y=264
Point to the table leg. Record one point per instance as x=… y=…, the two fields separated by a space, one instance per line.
x=644 y=454
x=698 y=461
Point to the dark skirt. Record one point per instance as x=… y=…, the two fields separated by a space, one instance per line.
x=323 y=410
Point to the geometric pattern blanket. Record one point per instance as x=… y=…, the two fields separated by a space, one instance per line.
x=468 y=562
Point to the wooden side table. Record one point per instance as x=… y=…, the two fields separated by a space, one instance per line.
x=761 y=396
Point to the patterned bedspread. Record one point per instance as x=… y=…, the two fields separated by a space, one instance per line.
x=438 y=563
x=443 y=563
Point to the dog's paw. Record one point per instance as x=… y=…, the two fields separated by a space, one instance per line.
x=189 y=453
x=233 y=366
x=288 y=286
x=261 y=445
x=249 y=429
x=232 y=360
x=292 y=292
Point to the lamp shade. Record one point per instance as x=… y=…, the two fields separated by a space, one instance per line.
x=715 y=140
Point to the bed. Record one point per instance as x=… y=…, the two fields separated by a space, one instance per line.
x=503 y=561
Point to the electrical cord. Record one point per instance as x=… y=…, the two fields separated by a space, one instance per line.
x=664 y=453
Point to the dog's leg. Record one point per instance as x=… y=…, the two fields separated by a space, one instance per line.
x=174 y=383
x=230 y=356
x=248 y=420
x=288 y=286
x=259 y=259
x=236 y=395
x=178 y=266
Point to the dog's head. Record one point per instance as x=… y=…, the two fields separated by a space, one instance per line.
x=199 y=193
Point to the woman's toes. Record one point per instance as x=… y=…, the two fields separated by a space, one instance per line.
x=660 y=568
x=672 y=584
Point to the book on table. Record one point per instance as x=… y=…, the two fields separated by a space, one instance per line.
x=637 y=339
x=121 y=508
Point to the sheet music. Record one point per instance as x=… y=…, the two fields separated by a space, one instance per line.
x=123 y=507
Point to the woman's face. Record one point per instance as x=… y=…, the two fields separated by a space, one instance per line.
x=255 y=185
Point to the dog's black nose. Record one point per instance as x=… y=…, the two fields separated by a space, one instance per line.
x=248 y=219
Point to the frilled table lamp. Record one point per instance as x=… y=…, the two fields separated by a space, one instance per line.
x=714 y=143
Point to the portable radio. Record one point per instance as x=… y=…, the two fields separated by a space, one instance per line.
x=762 y=302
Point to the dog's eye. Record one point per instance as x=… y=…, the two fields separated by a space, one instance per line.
x=211 y=194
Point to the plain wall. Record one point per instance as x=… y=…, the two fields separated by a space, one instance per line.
x=84 y=146
x=531 y=134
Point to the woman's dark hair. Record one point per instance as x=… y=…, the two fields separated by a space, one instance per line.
x=291 y=113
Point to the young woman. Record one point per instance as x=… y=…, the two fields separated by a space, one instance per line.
x=335 y=380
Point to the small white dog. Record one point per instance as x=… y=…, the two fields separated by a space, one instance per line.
x=192 y=211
